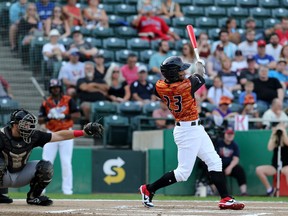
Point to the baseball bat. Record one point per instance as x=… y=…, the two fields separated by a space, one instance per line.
x=192 y=38
x=38 y=87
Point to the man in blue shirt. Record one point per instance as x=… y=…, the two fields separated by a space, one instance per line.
x=16 y=12
x=280 y=72
x=44 y=9
x=262 y=58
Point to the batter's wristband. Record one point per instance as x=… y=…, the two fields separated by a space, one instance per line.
x=78 y=133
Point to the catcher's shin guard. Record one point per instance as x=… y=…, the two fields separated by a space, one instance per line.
x=3 y=170
x=43 y=176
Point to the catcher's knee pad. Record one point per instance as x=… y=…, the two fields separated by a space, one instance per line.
x=44 y=170
x=215 y=165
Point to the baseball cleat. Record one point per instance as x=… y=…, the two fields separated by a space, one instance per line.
x=41 y=200
x=230 y=203
x=5 y=199
x=146 y=196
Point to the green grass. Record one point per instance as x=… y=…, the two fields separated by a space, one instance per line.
x=17 y=195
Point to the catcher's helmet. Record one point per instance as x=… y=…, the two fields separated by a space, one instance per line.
x=26 y=121
x=171 y=67
x=55 y=83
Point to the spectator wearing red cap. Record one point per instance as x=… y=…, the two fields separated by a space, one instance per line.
x=250 y=111
x=223 y=111
x=262 y=58
x=228 y=151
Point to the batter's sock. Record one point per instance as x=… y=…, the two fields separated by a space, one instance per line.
x=166 y=180
x=218 y=179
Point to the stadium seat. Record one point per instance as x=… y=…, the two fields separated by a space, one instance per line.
x=203 y=3
x=259 y=23
x=235 y=107
x=142 y=122
x=208 y=107
x=114 y=43
x=226 y=3
x=181 y=22
x=4 y=15
x=155 y=44
x=35 y=52
x=125 y=10
x=247 y=3
x=183 y=3
x=66 y=42
x=108 y=8
x=100 y=109
x=126 y=32
x=7 y=106
x=237 y=12
x=152 y=78
x=261 y=108
x=150 y=107
x=84 y=31
x=192 y=11
x=269 y=4
x=167 y=20
x=206 y=22
x=129 y=19
x=129 y=109
x=122 y=55
x=108 y=55
x=279 y=13
x=113 y=2
x=102 y=32
x=116 y=131
x=145 y=55
x=175 y=53
x=284 y=3
x=197 y=32
x=269 y=23
x=178 y=31
x=179 y=44
x=236 y=94
x=115 y=20
x=131 y=2
x=138 y=44
x=215 y=11
x=95 y=42
x=214 y=33
x=260 y=13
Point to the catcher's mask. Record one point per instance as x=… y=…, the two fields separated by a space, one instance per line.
x=55 y=83
x=171 y=67
x=26 y=121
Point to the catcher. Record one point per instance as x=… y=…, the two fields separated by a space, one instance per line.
x=17 y=140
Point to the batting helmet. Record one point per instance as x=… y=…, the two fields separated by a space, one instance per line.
x=171 y=67
x=55 y=83
x=26 y=121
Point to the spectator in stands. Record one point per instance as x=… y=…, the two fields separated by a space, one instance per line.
x=250 y=73
x=275 y=114
x=153 y=27
x=71 y=72
x=94 y=16
x=73 y=13
x=203 y=45
x=201 y=94
x=44 y=9
x=217 y=91
x=119 y=90
x=129 y=70
x=251 y=24
x=29 y=25
x=5 y=89
x=163 y=112
x=155 y=4
x=142 y=90
x=222 y=111
x=53 y=51
x=282 y=32
x=280 y=73
x=189 y=57
x=85 y=48
x=284 y=54
x=248 y=90
x=170 y=9
x=100 y=68
x=262 y=58
x=157 y=58
x=229 y=47
x=57 y=21
x=264 y=171
x=229 y=152
x=248 y=108
x=239 y=63
x=267 y=88
x=248 y=46
x=274 y=48
x=214 y=61
x=16 y=12
x=231 y=27
x=90 y=89
x=229 y=77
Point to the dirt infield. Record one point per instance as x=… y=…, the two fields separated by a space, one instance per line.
x=132 y=208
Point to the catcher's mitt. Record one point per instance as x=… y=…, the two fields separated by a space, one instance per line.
x=94 y=129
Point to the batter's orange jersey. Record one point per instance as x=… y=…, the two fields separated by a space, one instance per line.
x=179 y=97
x=65 y=105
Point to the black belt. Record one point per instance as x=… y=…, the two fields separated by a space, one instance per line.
x=193 y=123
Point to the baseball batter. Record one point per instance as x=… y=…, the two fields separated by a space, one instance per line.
x=189 y=135
x=17 y=140
x=58 y=113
